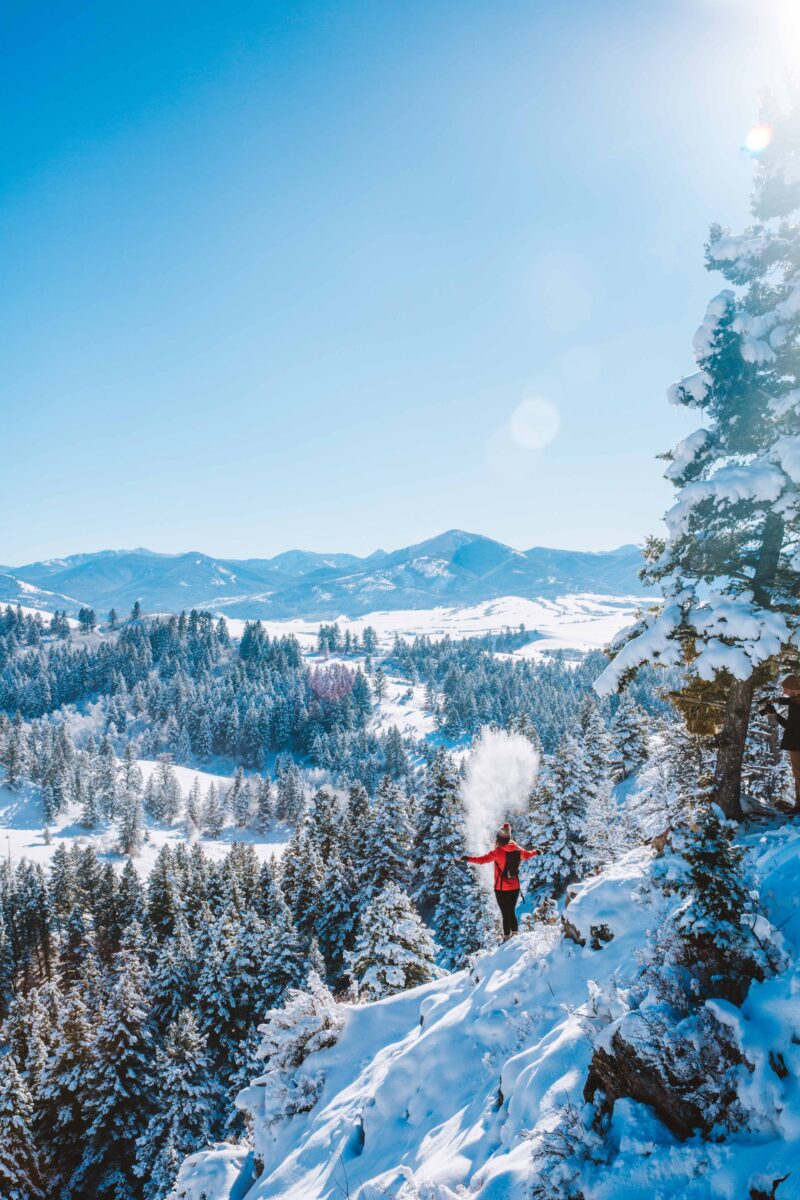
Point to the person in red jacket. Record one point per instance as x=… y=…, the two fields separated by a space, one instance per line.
x=506 y=857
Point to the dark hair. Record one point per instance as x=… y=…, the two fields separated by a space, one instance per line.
x=503 y=835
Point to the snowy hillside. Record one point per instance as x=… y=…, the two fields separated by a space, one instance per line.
x=473 y=1085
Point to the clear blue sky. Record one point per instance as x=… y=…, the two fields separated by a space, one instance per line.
x=278 y=274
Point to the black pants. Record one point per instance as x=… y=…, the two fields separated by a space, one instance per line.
x=507 y=903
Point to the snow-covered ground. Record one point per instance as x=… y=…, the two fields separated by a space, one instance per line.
x=22 y=835
x=446 y=1091
x=581 y=622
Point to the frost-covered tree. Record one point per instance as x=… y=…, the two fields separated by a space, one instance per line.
x=336 y=914
x=264 y=805
x=557 y=821
x=183 y=1110
x=105 y=777
x=719 y=945
x=131 y=823
x=214 y=811
x=460 y=918
x=729 y=570
x=389 y=849
x=629 y=735
x=309 y=1021
x=394 y=950
x=439 y=835
x=19 y=1160
x=61 y=1094
x=118 y=1082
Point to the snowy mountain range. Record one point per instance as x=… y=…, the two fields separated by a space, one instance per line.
x=455 y=568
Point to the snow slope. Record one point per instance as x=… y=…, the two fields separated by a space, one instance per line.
x=447 y=1090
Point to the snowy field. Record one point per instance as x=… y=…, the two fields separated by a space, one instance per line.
x=579 y=622
x=22 y=836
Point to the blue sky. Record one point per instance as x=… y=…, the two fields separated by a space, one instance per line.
x=281 y=274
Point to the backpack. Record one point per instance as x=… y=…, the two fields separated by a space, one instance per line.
x=511 y=868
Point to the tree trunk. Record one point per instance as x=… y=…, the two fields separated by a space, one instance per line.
x=732 y=738
x=730 y=749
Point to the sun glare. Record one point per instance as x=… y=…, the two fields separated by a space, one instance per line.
x=758 y=138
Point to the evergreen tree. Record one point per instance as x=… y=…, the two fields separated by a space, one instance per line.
x=558 y=821
x=393 y=949
x=392 y=837
x=336 y=914
x=174 y=976
x=265 y=806
x=629 y=734
x=460 y=919
x=118 y=1083
x=718 y=947
x=19 y=1160
x=301 y=879
x=131 y=823
x=729 y=570
x=214 y=812
x=61 y=1095
x=183 y=1109
x=105 y=778
x=440 y=829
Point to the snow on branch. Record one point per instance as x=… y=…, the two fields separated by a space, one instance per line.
x=758 y=481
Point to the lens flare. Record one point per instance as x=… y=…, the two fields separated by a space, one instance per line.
x=758 y=138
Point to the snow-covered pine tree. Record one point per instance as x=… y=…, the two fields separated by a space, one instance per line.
x=214 y=811
x=336 y=914
x=323 y=819
x=308 y=1021
x=118 y=1082
x=558 y=820
x=629 y=733
x=164 y=895
x=131 y=822
x=301 y=879
x=105 y=778
x=718 y=946
x=193 y=809
x=264 y=806
x=61 y=1093
x=601 y=753
x=460 y=919
x=439 y=830
x=184 y=1107
x=130 y=774
x=291 y=798
x=729 y=570
x=174 y=978
x=393 y=950
x=20 y=1177
x=392 y=837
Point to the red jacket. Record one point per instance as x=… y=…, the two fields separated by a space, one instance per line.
x=498 y=857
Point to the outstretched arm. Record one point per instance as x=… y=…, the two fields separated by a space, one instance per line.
x=480 y=859
x=527 y=853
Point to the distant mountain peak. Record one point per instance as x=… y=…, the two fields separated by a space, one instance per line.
x=455 y=568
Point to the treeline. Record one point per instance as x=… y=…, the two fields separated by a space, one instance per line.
x=469 y=686
x=181 y=679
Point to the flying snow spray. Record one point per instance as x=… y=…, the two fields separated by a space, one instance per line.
x=501 y=770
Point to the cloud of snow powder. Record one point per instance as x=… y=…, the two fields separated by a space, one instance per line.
x=501 y=770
